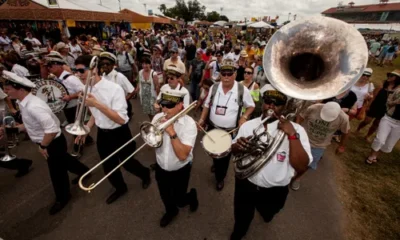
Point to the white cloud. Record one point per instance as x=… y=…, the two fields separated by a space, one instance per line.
x=240 y=9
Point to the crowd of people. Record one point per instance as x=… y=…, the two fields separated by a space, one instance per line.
x=225 y=75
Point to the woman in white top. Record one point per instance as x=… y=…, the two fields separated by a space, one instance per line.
x=254 y=89
x=148 y=88
x=363 y=89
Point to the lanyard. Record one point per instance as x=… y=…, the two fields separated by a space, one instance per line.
x=226 y=104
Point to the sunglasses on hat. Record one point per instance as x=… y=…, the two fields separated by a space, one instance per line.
x=276 y=102
x=227 y=73
x=169 y=105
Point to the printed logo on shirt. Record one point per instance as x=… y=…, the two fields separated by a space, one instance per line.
x=281 y=156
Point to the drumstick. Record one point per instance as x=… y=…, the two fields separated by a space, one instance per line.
x=208 y=135
x=228 y=133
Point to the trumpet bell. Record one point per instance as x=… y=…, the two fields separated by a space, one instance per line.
x=315 y=58
x=77 y=129
x=151 y=134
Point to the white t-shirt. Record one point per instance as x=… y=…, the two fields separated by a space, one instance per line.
x=361 y=92
x=230 y=101
x=75 y=50
x=3 y=96
x=7 y=41
x=35 y=42
x=112 y=95
x=120 y=79
x=229 y=55
x=73 y=85
x=186 y=130
x=278 y=171
x=214 y=70
x=20 y=70
x=38 y=118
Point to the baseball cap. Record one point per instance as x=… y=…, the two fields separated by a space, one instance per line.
x=330 y=111
x=368 y=71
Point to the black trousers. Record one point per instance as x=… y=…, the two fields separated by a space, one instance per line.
x=16 y=164
x=172 y=186
x=59 y=163
x=129 y=109
x=70 y=114
x=110 y=140
x=248 y=197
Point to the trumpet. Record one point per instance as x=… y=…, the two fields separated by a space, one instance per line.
x=79 y=128
x=152 y=135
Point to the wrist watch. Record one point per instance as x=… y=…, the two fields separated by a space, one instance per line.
x=174 y=136
x=42 y=147
x=294 y=136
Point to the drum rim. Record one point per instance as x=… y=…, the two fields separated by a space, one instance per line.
x=216 y=155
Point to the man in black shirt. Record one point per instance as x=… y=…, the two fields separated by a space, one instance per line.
x=190 y=52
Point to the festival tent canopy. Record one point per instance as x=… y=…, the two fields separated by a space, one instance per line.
x=260 y=24
x=62 y=10
x=220 y=23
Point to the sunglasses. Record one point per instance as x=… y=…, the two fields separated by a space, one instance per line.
x=229 y=74
x=168 y=105
x=173 y=52
x=105 y=64
x=249 y=73
x=274 y=101
x=81 y=70
x=171 y=77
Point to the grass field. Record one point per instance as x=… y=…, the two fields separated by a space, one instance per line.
x=370 y=193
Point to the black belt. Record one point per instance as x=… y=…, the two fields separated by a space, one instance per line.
x=110 y=130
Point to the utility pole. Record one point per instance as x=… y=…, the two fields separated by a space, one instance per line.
x=289 y=16
x=101 y=4
x=119 y=3
x=145 y=7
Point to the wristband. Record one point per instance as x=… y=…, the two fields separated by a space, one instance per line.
x=294 y=137
x=174 y=136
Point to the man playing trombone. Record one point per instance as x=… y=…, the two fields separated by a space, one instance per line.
x=174 y=157
x=108 y=106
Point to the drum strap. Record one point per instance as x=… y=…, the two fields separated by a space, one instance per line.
x=66 y=76
x=240 y=98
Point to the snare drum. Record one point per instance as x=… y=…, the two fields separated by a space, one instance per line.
x=222 y=145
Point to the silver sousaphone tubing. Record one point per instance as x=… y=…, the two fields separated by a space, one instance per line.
x=309 y=59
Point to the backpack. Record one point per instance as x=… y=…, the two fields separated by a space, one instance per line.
x=240 y=97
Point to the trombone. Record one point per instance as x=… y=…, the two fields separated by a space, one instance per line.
x=152 y=135
x=79 y=128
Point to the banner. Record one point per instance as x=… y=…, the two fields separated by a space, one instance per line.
x=70 y=23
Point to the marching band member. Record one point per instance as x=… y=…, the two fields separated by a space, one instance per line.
x=174 y=76
x=108 y=106
x=22 y=165
x=55 y=65
x=222 y=109
x=174 y=157
x=43 y=128
x=267 y=189
x=106 y=65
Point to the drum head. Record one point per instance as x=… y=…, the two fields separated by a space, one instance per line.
x=222 y=142
x=51 y=92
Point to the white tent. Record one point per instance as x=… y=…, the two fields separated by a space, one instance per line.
x=220 y=23
x=260 y=24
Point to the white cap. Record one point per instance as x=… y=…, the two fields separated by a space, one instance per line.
x=10 y=76
x=54 y=56
x=368 y=71
x=171 y=95
x=174 y=68
x=109 y=56
x=330 y=111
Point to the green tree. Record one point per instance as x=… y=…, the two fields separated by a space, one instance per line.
x=223 y=18
x=190 y=11
x=213 y=16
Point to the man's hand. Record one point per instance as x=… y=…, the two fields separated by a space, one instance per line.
x=157 y=107
x=13 y=111
x=80 y=140
x=286 y=126
x=242 y=145
x=66 y=98
x=91 y=101
x=170 y=130
x=44 y=153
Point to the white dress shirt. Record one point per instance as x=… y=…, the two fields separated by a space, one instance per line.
x=278 y=171
x=35 y=42
x=186 y=98
x=229 y=55
x=186 y=130
x=230 y=100
x=20 y=70
x=38 y=118
x=73 y=85
x=120 y=79
x=112 y=95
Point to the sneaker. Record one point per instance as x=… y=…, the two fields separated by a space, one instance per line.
x=295 y=185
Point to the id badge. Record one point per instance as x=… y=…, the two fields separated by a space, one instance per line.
x=220 y=110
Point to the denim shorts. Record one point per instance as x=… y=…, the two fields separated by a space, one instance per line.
x=317 y=154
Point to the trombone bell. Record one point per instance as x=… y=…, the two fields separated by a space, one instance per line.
x=77 y=129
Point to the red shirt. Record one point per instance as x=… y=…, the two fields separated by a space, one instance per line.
x=206 y=59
